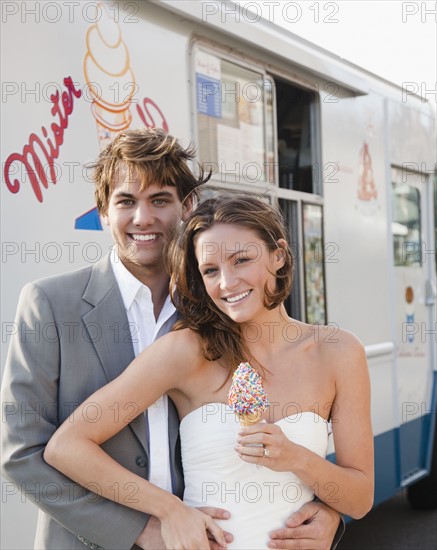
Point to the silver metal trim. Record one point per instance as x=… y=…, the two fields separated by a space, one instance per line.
x=378 y=350
x=414 y=477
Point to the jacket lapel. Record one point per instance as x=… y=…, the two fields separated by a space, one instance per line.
x=108 y=330
x=175 y=451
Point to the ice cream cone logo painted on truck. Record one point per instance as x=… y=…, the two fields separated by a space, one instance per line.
x=367 y=192
x=112 y=85
x=366 y=186
x=109 y=77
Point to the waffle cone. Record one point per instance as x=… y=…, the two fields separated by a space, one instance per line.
x=249 y=418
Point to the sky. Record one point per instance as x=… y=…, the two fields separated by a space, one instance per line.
x=391 y=38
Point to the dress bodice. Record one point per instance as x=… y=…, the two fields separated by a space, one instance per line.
x=259 y=499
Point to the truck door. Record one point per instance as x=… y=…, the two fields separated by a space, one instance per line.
x=415 y=326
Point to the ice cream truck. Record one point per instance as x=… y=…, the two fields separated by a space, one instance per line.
x=347 y=156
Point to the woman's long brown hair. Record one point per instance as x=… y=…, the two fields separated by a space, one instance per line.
x=221 y=337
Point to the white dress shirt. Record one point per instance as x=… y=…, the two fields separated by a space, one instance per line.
x=137 y=300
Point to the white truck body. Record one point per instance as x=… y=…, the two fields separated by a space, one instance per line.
x=365 y=158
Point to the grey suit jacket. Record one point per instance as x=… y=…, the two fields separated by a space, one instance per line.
x=73 y=337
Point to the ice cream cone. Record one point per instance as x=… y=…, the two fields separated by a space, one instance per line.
x=246 y=395
x=110 y=80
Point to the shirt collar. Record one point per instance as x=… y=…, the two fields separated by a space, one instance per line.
x=128 y=284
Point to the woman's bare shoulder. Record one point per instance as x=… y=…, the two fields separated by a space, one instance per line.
x=348 y=343
x=182 y=346
x=184 y=336
x=169 y=362
x=343 y=349
x=330 y=342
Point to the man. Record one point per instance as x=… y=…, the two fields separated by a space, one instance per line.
x=103 y=316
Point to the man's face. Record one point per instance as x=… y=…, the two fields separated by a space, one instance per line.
x=141 y=222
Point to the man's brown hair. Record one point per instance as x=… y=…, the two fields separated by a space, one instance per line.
x=152 y=156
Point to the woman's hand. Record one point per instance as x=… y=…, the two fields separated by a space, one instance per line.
x=266 y=445
x=185 y=528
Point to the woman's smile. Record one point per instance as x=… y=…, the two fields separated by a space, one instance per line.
x=237 y=298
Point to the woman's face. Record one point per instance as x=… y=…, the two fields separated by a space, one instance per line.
x=235 y=265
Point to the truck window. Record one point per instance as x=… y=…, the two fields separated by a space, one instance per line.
x=234 y=120
x=294 y=110
x=406 y=225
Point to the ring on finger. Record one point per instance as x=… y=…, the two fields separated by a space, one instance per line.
x=266 y=452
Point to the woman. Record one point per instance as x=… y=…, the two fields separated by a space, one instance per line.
x=232 y=271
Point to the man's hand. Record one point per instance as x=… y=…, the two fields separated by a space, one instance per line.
x=216 y=513
x=150 y=537
x=312 y=527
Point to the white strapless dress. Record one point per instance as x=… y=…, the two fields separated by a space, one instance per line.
x=258 y=498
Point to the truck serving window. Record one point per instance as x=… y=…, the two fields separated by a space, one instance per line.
x=260 y=132
x=234 y=120
x=295 y=108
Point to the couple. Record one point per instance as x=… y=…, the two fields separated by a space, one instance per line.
x=193 y=363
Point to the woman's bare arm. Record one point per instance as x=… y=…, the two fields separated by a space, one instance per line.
x=75 y=447
x=348 y=485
